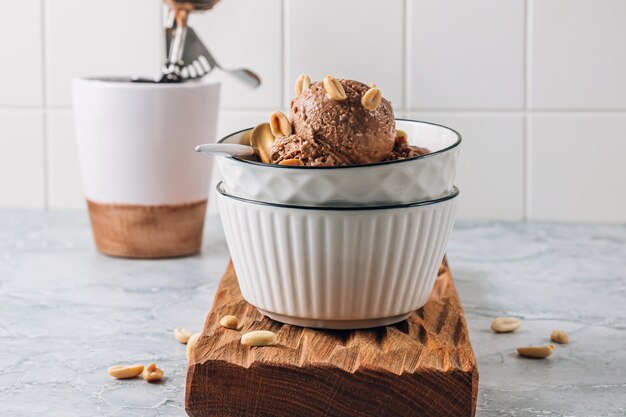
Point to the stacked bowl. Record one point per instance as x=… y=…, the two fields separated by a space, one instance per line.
x=341 y=247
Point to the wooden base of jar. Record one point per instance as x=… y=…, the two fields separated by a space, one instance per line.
x=136 y=231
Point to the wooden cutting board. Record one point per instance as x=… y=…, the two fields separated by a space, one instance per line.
x=423 y=366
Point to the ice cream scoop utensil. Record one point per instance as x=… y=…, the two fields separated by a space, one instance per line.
x=225 y=149
x=261 y=140
x=198 y=60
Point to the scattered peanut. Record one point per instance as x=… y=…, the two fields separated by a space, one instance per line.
x=401 y=134
x=125 y=371
x=505 y=324
x=302 y=84
x=280 y=124
x=182 y=335
x=371 y=99
x=152 y=373
x=191 y=344
x=292 y=162
x=536 y=352
x=334 y=89
x=230 y=322
x=559 y=336
x=259 y=338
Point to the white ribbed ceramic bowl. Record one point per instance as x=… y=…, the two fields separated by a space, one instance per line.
x=405 y=181
x=336 y=268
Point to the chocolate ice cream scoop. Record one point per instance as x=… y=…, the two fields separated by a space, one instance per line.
x=339 y=130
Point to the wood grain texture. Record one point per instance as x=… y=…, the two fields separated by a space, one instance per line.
x=423 y=366
x=135 y=231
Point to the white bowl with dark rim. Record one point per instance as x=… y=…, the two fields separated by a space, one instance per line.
x=405 y=181
x=336 y=267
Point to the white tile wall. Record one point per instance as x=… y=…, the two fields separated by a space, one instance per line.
x=531 y=84
x=466 y=54
x=357 y=39
x=87 y=38
x=579 y=54
x=21 y=76
x=63 y=170
x=22 y=159
x=578 y=167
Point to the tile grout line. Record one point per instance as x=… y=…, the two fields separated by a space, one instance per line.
x=470 y=112
x=528 y=43
x=284 y=100
x=44 y=99
x=406 y=53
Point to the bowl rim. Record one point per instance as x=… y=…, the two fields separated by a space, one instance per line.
x=455 y=193
x=428 y=155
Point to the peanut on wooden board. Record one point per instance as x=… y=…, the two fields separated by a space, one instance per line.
x=191 y=344
x=152 y=373
x=125 y=371
x=230 y=322
x=505 y=324
x=182 y=335
x=536 y=352
x=334 y=89
x=559 y=336
x=259 y=338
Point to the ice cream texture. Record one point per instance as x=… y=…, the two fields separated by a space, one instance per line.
x=340 y=122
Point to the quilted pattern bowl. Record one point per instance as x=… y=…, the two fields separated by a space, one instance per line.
x=422 y=178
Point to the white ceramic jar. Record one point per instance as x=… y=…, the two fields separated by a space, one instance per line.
x=146 y=188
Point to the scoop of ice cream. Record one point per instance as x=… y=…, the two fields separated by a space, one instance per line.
x=328 y=131
x=402 y=149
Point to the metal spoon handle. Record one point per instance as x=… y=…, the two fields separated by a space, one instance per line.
x=225 y=149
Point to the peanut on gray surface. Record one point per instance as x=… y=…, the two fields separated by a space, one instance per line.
x=182 y=335
x=559 y=336
x=536 y=352
x=230 y=322
x=505 y=324
x=334 y=89
x=125 y=371
x=259 y=338
x=152 y=373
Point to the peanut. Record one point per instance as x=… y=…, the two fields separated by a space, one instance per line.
x=191 y=345
x=401 y=135
x=371 y=99
x=536 y=352
x=303 y=83
x=559 y=336
x=230 y=322
x=152 y=373
x=291 y=162
x=334 y=89
x=182 y=335
x=125 y=371
x=280 y=124
x=259 y=338
x=505 y=325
